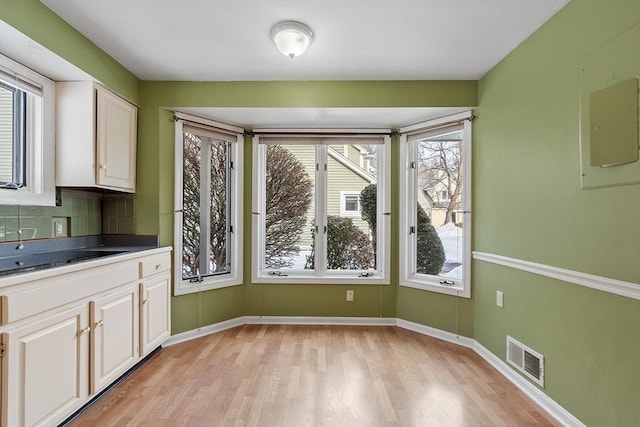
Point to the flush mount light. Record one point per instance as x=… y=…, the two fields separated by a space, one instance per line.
x=291 y=38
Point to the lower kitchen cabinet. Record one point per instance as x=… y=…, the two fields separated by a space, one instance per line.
x=155 y=311
x=67 y=335
x=114 y=335
x=47 y=366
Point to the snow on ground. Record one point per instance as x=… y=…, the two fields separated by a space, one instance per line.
x=451 y=238
x=300 y=260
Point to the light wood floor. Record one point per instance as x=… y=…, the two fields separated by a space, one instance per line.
x=258 y=375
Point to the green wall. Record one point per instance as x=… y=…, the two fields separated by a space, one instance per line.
x=528 y=205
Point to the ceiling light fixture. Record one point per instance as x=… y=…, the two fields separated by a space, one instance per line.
x=291 y=38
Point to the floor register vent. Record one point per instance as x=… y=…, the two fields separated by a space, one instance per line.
x=527 y=361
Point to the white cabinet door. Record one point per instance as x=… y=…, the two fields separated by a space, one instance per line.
x=47 y=368
x=96 y=137
x=116 y=141
x=155 y=325
x=114 y=336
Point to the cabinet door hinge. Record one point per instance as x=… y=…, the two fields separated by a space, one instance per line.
x=2 y=348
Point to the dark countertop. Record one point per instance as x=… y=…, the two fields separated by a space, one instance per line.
x=33 y=255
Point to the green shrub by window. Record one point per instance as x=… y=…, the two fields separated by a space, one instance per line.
x=430 y=254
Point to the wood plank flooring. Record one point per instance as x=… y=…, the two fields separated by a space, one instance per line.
x=272 y=375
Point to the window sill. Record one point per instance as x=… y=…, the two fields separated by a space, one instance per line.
x=442 y=289
x=325 y=280
x=185 y=287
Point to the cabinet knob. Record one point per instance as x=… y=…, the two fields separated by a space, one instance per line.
x=158 y=266
x=99 y=323
x=146 y=301
x=85 y=330
x=103 y=166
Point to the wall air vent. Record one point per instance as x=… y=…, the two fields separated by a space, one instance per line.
x=527 y=361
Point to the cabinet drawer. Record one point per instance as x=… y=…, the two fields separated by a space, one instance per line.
x=153 y=264
x=49 y=293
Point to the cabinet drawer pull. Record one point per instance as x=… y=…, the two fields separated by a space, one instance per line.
x=146 y=301
x=99 y=323
x=85 y=330
x=158 y=266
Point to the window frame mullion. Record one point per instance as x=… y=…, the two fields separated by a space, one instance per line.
x=229 y=210
x=322 y=232
x=412 y=202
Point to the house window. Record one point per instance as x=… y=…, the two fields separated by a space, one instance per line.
x=27 y=163
x=306 y=227
x=435 y=198
x=350 y=203
x=13 y=142
x=208 y=205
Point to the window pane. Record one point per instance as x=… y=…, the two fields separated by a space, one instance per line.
x=13 y=121
x=219 y=207
x=205 y=228
x=6 y=134
x=439 y=216
x=350 y=239
x=289 y=210
x=191 y=206
x=351 y=203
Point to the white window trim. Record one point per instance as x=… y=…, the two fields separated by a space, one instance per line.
x=40 y=189
x=343 y=204
x=381 y=277
x=408 y=198
x=234 y=277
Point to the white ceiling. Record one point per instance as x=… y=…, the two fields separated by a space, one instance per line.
x=228 y=40
x=223 y=40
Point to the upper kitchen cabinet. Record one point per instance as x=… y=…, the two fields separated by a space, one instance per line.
x=96 y=135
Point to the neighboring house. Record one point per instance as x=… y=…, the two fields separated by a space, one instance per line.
x=436 y=197
x=350 y=169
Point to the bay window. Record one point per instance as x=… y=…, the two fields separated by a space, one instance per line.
x=319 y=216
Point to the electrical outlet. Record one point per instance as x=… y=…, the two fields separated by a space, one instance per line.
x=60 y=227
x=499 y=298
x=350 y=295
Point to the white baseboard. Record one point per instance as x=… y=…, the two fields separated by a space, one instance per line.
x=310 y=320
x=436 y=333
x=204 y=331
x=548 y=404
x=545 y=402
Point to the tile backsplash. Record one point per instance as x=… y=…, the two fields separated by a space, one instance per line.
x=84 y=213
x=118 y=214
